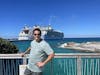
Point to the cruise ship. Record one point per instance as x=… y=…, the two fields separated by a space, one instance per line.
x=47 y=33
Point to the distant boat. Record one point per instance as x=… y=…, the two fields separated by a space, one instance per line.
x=47 y=33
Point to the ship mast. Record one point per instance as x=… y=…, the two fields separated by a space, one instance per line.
x=50 y=20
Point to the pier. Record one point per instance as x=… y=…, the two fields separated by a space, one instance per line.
x=62 y=64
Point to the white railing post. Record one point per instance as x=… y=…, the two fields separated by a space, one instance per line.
x=24 y=60
x=23 y=66
x=79 y=64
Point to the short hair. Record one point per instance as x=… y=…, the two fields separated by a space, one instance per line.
x=37 y=29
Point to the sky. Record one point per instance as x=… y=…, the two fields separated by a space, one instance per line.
x=75 y=18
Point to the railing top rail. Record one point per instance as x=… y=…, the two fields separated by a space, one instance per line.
x=10 y=56
x=18 y=56
x=77 y=54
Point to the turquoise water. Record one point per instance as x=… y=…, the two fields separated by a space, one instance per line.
x=58 y=66
x=23 y=45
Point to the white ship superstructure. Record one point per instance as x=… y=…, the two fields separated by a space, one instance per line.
x=47 y=33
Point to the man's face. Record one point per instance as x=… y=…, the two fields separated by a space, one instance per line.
x=37 y=35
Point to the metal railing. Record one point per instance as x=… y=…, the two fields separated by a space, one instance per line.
x=62 y=64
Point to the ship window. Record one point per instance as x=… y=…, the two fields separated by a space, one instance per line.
x=26 y=31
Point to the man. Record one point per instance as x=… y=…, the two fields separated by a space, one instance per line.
x=40 y=54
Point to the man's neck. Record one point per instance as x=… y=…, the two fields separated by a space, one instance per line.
x=38 y=40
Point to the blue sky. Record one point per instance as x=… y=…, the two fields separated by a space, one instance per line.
x=76 y=18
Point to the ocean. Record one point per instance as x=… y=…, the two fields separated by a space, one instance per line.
x=58 y=66
x=55 y=43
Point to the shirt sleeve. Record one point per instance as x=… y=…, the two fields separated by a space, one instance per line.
x=47 y=49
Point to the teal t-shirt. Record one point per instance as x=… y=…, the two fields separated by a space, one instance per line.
x=38 y=53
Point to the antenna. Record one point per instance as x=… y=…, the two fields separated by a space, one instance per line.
x=51 y=17
x=50 y=20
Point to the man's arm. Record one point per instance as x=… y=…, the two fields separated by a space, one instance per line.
x=23 y=54
x=41 y=64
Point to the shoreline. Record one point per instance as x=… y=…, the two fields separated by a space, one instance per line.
x=87 y=46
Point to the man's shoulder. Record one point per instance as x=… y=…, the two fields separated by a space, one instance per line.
x=44 y=42
x=32 y=41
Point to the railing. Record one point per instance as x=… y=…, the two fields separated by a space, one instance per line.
x=62 y=64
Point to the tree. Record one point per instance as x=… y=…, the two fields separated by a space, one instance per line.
x=7 y=47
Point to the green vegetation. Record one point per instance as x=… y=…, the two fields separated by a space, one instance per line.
x=7 y=47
